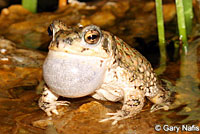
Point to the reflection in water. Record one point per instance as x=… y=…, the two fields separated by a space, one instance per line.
x=187 y=85
x=188 y=94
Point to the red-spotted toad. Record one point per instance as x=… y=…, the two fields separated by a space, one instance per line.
x=89 y=61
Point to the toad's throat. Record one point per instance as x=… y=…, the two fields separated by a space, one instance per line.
x=73 y=76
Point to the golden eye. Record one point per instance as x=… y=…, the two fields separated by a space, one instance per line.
x=92 y=37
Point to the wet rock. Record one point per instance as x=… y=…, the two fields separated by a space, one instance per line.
x=29 y=30
x=43 y=124
x=18 y=111
x=99 y=19
x=19 y=67
x=12 y=14
x=86 y=117
x=117 y=8
x=169 y=10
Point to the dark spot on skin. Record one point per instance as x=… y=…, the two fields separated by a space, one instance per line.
x=115 y=75
x=57 y=37
x=114 y=61
x=114 y=47
x=126 y=53
x=133 y=102
x=141 y=87
x=68 y=40
x=105 y=45
x=136 y=102
x=59 y=34
x=126 y=113
x=45 y=95
x=101 y=63
x=57 y=44
x=76 y=32
x=131 y=79
x=45 y=105
x=84 y=49
x=119 y=59
x=162 y=96
x=115 y=54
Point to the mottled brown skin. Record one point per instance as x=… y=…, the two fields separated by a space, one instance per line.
x=129 y=77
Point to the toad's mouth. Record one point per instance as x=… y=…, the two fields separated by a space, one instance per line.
x=72 y=75
x=77 y=49
x=65 y=54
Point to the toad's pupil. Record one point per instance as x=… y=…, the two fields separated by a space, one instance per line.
x=92 y=37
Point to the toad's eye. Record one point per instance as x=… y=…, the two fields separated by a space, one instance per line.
x=92 y=37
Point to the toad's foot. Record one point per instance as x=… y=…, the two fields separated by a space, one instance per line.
x=133 y=103
x=162 y=100
x=156 y=107
x=48 y=102
x=50 y=107
x=119 y=115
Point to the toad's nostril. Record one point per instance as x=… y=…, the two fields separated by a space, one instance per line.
x=68 y=40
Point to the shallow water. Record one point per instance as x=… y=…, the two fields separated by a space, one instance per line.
x=19 y=111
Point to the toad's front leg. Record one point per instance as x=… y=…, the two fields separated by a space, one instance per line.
x=48 y=102
x=133 y=104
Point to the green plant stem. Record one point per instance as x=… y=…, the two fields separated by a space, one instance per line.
x=160 y=22
x=31 y=5
x=181 y=25
x=188 y=11
x=161 y=37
